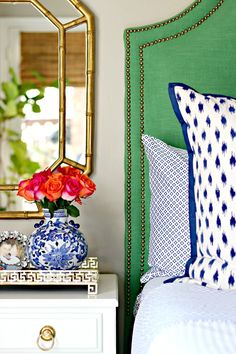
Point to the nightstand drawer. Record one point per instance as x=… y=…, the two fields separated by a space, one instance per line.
x=83 y=324
x=78 y=332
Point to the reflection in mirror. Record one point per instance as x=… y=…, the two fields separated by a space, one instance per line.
x=18 y=10
x=14 y=203
x=45 y=116
x=76 y=94
x=39 y=65
x=56 y=6
x=40 y=130
x=29 y=120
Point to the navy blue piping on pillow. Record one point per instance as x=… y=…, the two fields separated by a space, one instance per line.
x=192 y=205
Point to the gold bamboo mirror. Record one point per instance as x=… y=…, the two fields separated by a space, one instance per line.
x=47 y=93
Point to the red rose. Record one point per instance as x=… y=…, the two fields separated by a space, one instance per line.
x=36 y=183
x=72 y=188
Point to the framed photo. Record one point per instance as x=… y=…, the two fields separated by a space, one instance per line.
x=13 y=250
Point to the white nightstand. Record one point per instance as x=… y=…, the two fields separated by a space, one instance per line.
x=83 y=324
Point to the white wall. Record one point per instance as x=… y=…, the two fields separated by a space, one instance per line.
x=102 y=218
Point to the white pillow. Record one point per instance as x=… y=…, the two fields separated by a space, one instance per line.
x=169 y=246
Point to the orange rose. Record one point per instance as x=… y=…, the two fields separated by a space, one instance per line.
x=88 y=186
x=53 y=187
x=69 y=171
x=24 y=190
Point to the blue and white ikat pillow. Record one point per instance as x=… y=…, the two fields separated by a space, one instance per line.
x=169 y=244
x=209 y=126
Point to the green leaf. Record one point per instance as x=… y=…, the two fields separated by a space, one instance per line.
x=26 y=86
x=20 y=109
x=12 y=133
x=39 y=77
x=1 y=115
x=36 y=108
x=72 y=211
x=21 y=104
x=10 y=90
x=10 y=109
x=30 y=167
x=21 y=163
x=54 y=84
x=19 y=147
x=60 y=203
x=24 y=167
x=51 y=207
x=39 y=97
x=44 y=203
x=13 y=76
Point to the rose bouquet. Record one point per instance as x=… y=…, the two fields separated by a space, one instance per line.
x=57 y=189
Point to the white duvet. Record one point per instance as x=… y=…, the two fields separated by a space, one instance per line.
x=185 y=319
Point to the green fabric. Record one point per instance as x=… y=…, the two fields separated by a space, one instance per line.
x=203 y=58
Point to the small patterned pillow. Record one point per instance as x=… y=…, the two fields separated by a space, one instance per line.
x=209 y=127
x=169 y=246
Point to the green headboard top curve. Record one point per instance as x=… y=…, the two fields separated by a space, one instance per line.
x=196 y=47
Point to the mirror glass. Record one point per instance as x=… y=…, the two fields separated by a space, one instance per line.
x=30 y=95
x=76 y=94
x=61 y=8
x=29 y=98
x=10 y=202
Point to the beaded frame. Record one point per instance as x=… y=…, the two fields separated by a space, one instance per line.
x=9 y=258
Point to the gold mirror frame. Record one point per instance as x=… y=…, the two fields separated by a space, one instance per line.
x=86 y=18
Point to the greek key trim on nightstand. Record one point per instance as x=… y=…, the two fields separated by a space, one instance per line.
x=86 y=275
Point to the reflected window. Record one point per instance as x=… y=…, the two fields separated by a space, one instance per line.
x=39 y=64
x=40 y=130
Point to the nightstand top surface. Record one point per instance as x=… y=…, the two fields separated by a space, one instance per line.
x=107 y=294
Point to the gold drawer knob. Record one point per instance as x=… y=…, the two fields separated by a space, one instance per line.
x=46 y=338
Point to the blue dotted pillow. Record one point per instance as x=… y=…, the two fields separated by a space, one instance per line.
x=209 y=127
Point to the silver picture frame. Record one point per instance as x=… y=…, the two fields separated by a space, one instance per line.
x=13 y=250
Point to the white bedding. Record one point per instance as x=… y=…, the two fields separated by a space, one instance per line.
x=185 y=319
x=151 y=284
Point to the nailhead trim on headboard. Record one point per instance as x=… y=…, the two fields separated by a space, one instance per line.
x=141 y=49
x=128 y=136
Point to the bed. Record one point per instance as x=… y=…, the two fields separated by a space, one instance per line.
x=197 y=48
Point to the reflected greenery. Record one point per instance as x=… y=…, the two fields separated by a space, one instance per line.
x=14 y=96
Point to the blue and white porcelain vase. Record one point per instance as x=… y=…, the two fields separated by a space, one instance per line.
x=57 y=244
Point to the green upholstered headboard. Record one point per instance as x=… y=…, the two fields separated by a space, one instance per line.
x=196 y=47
